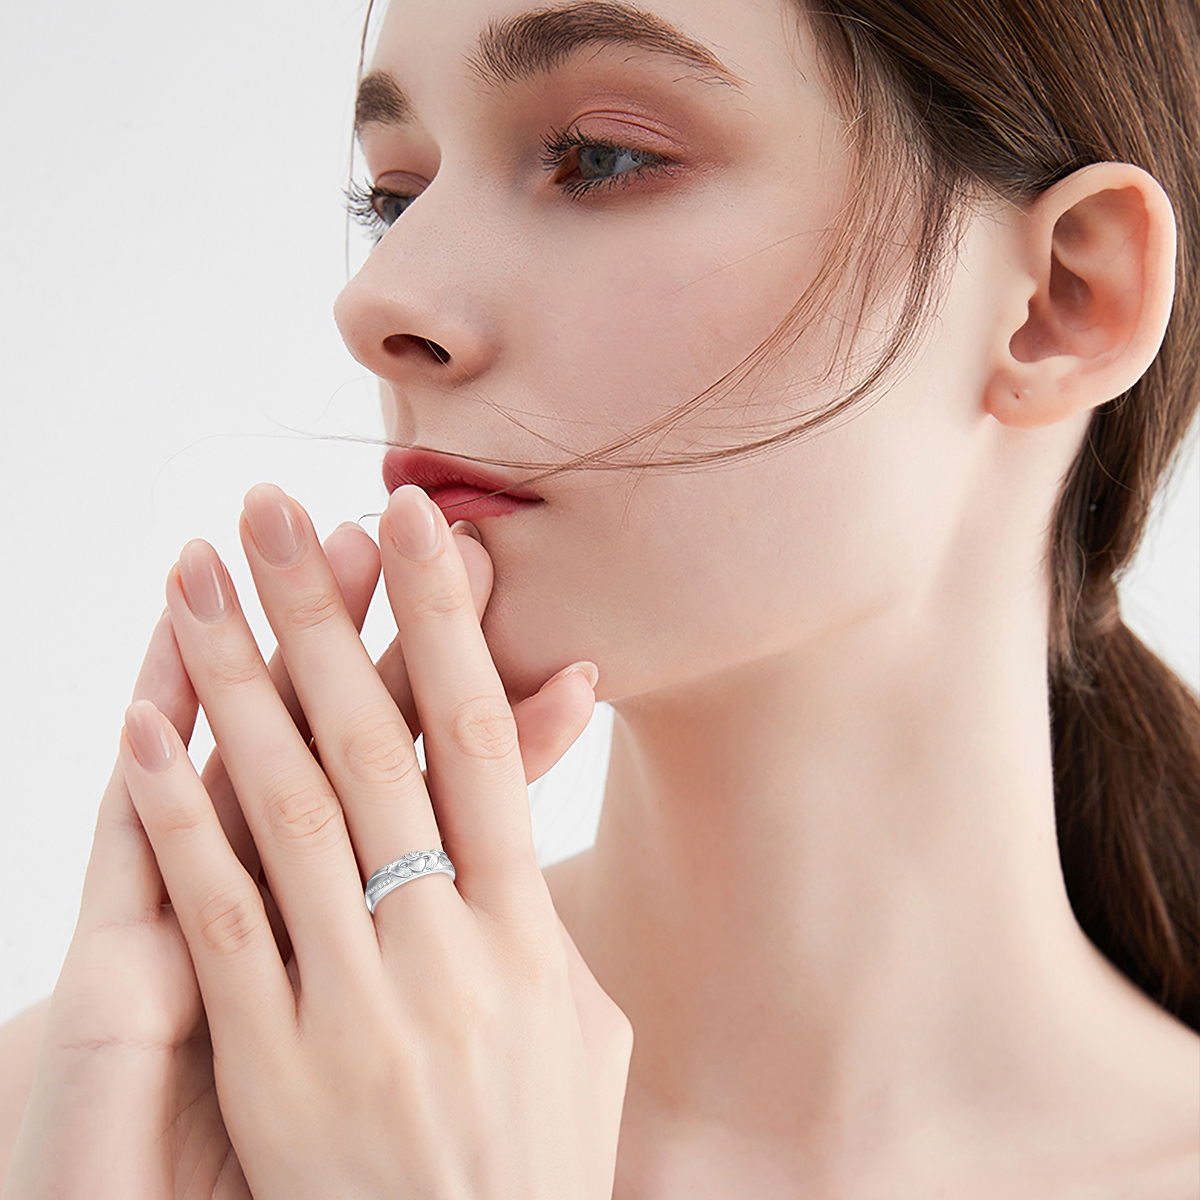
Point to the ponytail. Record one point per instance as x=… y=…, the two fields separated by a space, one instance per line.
x=1127 y=796
x=1126 y=728
x=1015 y=97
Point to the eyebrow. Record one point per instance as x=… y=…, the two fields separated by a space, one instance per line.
x=535 y=42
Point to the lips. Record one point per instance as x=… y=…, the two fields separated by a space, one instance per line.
x=460 y=489
x=433 y=471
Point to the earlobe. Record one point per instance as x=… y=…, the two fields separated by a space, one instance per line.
x=1098 y=280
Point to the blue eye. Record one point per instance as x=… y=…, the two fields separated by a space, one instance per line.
x=594 y=164
x=597 y=163
x=389 y=206
x=375 y=208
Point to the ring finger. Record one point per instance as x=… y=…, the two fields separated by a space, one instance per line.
x=290 y=807
x=365 y=744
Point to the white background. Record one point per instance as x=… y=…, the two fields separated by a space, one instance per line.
x=171 y=240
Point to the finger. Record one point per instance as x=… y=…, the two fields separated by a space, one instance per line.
x=478 y=562
x=476 y=777
x=290 y=807
x=247 y=997
x=123 y=883
x=391 y=663
x=366 y=747
x=550 y=721
x=165 y=683
x=354 y=559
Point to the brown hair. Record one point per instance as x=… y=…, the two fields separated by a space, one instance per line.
x=1015 y=97
x=963 y=97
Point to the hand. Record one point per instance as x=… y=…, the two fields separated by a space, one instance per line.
x=123 y=1103
x=454 y=1045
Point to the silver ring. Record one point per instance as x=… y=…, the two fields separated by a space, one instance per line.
x=411 y=866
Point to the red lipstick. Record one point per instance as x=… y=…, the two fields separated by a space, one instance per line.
x=460 y=489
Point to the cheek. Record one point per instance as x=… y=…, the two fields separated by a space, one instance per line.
x=672 y=576
x=628 y=328
x=684 y=575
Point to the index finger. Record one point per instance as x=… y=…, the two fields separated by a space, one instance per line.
x=476 y=778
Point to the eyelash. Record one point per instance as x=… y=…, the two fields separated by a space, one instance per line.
x=558 y=143
x=362 y=202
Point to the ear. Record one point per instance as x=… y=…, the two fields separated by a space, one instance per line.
x=1096 y=279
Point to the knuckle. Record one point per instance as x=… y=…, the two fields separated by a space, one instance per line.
x=179 y=818
x=312 y=609
x=484 y=728
x=297 y=812
x=229 y=921
x=231 y=669
x=443 y=599
x=124 y=822
x=378 y=750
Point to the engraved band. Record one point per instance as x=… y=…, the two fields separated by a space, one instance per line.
x=411 y=866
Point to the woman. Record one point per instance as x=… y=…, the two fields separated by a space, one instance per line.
x=895 y=881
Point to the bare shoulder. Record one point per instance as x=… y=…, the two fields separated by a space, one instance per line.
x=1175 y=1176
x=19 y=1042
x=1179 y=1164
x=1153 y=1123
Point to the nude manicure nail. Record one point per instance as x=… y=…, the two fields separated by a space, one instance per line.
x=413 y=520
x=470 y=530
x=143 y=727
x=203 y=579
x=588 y=670
x=273 y=524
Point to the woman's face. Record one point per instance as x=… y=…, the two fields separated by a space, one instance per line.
x=574 y=315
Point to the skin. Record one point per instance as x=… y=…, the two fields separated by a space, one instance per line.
x=824 y=892
x=130 y=1080
x=825 y=888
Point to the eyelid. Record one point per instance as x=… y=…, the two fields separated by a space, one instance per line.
x=400 y=182
x=557 y=145
x=635 y=131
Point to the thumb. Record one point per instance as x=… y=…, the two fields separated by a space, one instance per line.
x=550 y=721
x=477 y=561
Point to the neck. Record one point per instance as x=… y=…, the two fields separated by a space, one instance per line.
x=826 y=891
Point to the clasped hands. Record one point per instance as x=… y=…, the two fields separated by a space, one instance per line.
x=261 y=1034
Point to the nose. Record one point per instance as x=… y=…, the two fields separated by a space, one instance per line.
x=413 y=313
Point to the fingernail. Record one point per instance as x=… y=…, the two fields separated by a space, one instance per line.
x=144 y=727
x=414 y=523
x=273 y=523
x=349 y=525
x=203 y=579
x=467 y=528
x=588 y=670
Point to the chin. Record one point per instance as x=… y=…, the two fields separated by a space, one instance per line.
x=522 y=661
